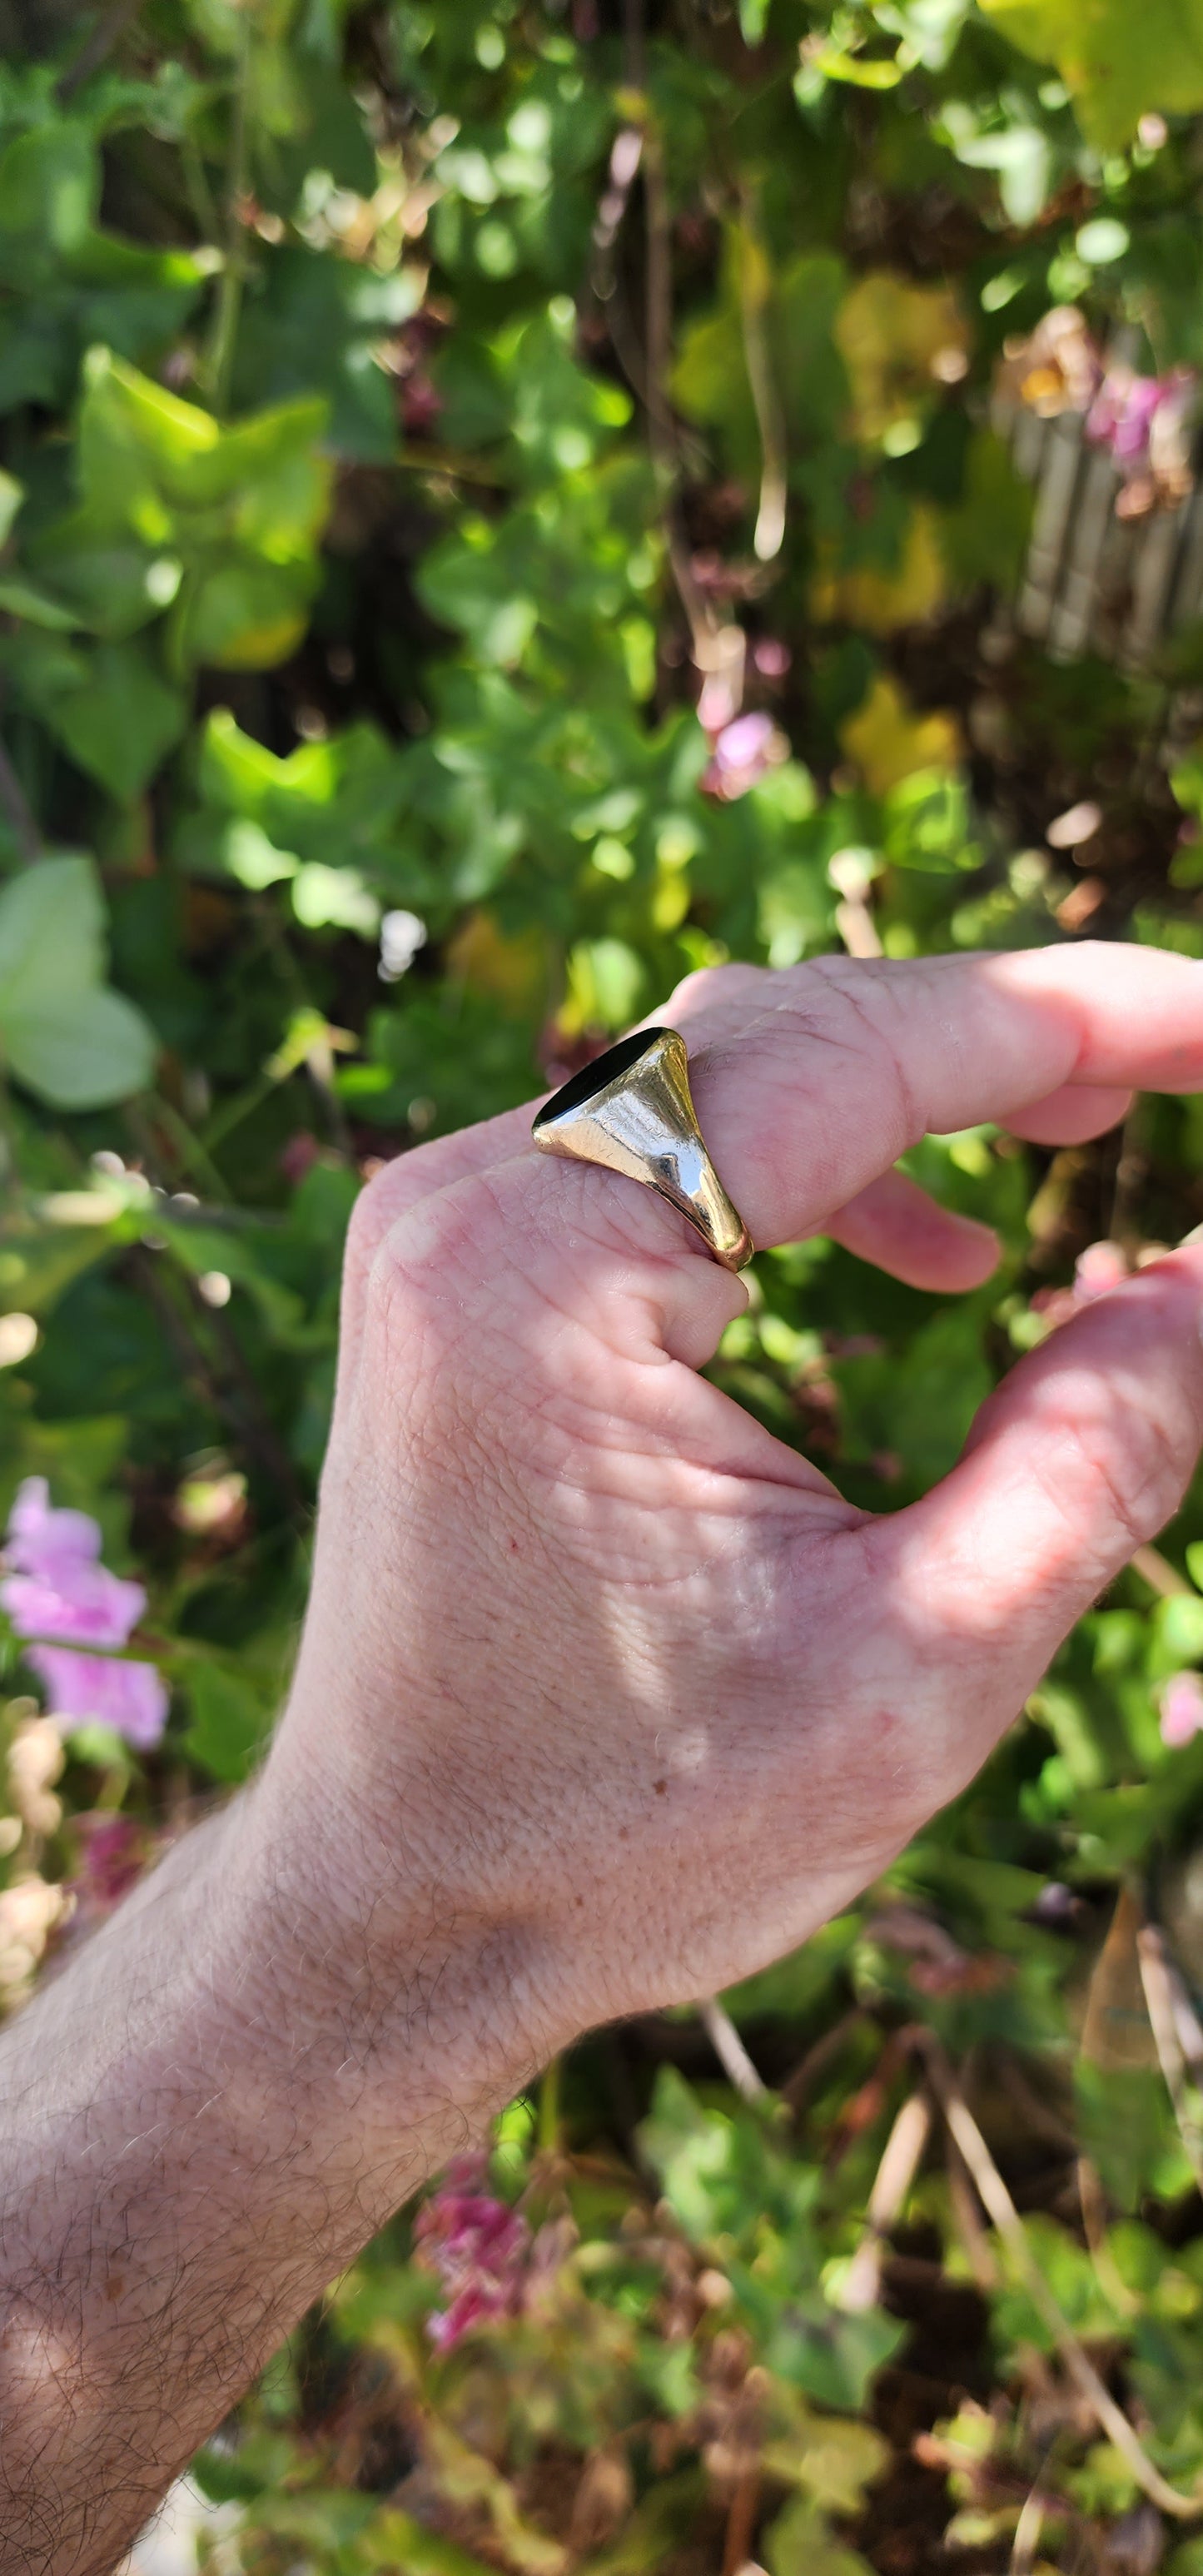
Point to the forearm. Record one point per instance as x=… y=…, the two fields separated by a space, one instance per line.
x=201 y=2121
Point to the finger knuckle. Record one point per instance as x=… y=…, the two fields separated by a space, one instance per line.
x=710 y=984
x=367 y=1227
x=412 y=1262
x=1139 y=1480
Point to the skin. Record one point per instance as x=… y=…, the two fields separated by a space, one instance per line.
x=604 y=1698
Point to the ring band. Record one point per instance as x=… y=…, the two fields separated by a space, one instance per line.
x=632 y=1111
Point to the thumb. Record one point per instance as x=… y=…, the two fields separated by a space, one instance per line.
x=1082 y=1455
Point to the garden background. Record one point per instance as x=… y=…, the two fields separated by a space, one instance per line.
x=503 y=504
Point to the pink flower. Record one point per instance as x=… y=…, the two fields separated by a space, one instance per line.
x=742 y=753
x=40 y=1538
x=421 y=404
x=1144 y=422
x=1100 y=1267
x=1121 y=414
x=88 y=1604
x=744 y=744
x=771 y=657
x=58 y=1587
x=477 y=2246
x=102 y=1690
x=299 y=1156
x=114 y=1851
x=1181 y=1701
x=59 y=1595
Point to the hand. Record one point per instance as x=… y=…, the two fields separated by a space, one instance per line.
x=605 y=1697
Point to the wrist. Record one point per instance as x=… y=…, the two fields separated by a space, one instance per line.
x=201 y=2121
x=395 y=2002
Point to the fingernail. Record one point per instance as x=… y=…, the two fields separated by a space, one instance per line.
x=1195 y=1236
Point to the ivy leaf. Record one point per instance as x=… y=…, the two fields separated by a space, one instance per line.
x=318 y=321
x=108 y=706
x=236 y=511
x=64 y=1034
x=69 y=282
x=1118 y=62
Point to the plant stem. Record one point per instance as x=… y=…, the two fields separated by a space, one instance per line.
x=188 y=1147
x=220 y=363
x=225 y=1382
x=96 y=48
x=549 y=2109
x=19 y=811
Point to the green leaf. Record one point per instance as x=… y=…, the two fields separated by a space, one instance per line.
x=20 y=599
x=236 y=512
x=81 y=1050
x=1179 y=1626
x=396 y=2540
x=12 y=494
x=248 y=616
x=450 y=1050
x=49 y=186
x=51 y=932
x=799 y=2543
x=74 y=1043
x=605 y=983
x=313 y=322
x=334 y=898
x=111 y=582
x=106 y=704
x=1117 y=61
x=710 y=377
x=229 y=1724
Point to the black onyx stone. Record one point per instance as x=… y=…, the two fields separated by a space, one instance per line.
x=594 y=1077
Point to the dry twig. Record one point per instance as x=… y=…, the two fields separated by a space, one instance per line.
x=899 y=2165
x=967 y=2221
x=1027 y=2535
x=1092 y=2201
x=741 y=2523
x=730 y=2051
x=1156 y=1570
x=854 y=921
x=819 y=2056
x=1157 y=1978
x=754 y=285
x=106 y=33
x=1005 y=2217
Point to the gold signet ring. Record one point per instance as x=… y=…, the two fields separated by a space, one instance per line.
x=632 y=1111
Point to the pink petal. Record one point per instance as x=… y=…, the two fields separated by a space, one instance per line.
x=1181 y=1700
x=83 y=1604
x=742 y=744
x=40 y=1539
x=94 y=1689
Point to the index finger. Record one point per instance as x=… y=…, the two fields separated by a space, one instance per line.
x=810 y=1081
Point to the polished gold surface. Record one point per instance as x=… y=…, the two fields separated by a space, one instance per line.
x=632 y=1111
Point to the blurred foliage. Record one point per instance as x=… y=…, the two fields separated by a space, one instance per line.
x=501 y=505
